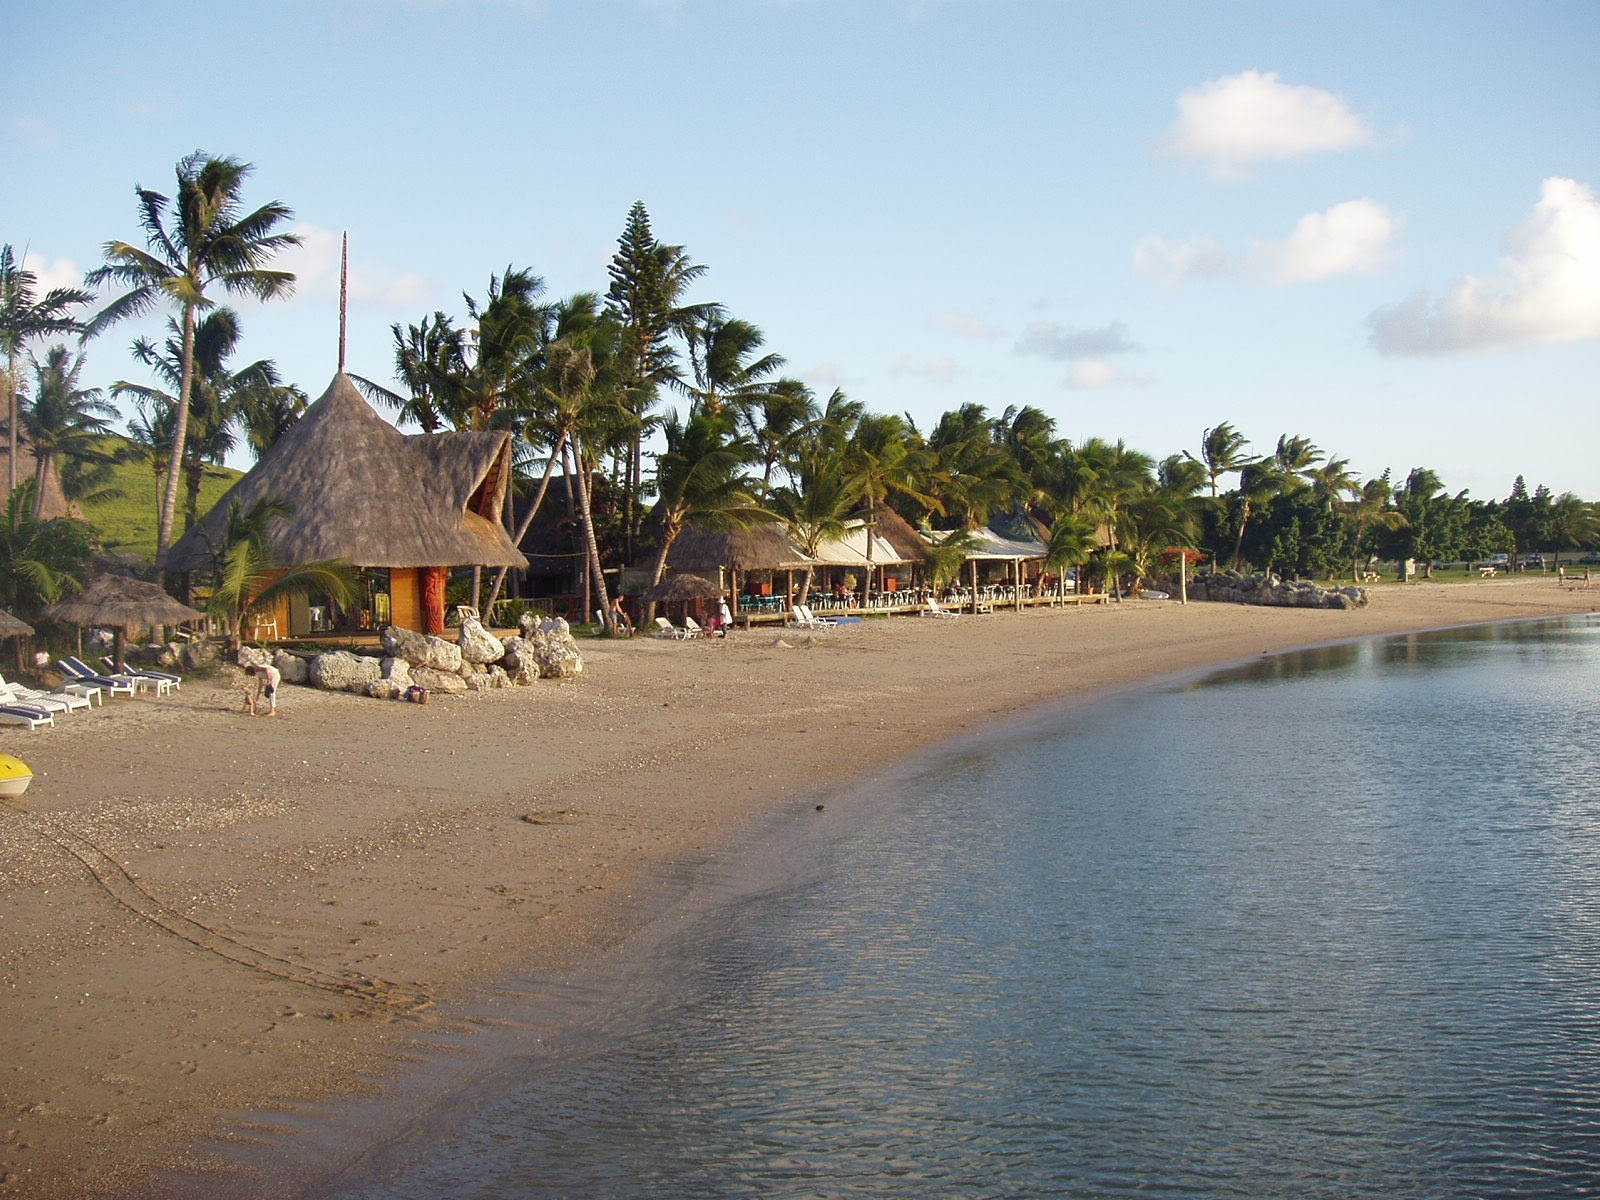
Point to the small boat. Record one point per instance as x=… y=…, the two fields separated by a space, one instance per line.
x=14 y=776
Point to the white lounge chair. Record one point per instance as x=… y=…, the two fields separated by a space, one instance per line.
x=142 y=681
x=691 y=627
x=117 y=685
x=16 y=693
x=933 y=610
x=10 y=693
x=174 y=681
x=806 y=619
x=666 y=629
x=25 y=714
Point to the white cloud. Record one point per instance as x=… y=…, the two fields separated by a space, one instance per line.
x=62 y=273
x=959 y=323
x=1176 y=263
x=1233 y=122
x=315 y=263
x=1347 y=239
x=1092 y=374
x=1061 y=341
x=1547 y=290
x=941 y=369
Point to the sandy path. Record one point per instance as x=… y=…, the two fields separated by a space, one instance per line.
x=201 y=912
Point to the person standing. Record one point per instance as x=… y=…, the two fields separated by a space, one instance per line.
x=267 y=678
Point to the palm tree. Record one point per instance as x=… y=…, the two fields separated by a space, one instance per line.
x=40 y=561
x=1259 y=482
x=246 y=579
x=507 y=340
x=972 y=476
x=780 y=422
x=816 y=507
x=64 y=422
x=1371 y=508
x=221 y=400
x=700 y=482
x=1573 y=522
x=24 y=316
x=211 y=244
x=885 y=458
x=426 y=358
x=721 y=351
x=1222 y=449
x=1073 y=538
x=577 y=393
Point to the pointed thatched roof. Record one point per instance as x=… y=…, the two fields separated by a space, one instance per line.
x=682 y=585
x=364 y=492
x=13 y=626
x=761 y=547
x=120 y=602
x=55 y=500
x=899 y=533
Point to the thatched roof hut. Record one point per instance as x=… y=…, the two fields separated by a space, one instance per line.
x=761 y=547
x=362 y=491
x=365 y=493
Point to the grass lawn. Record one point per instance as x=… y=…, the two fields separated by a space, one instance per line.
x=126 y=520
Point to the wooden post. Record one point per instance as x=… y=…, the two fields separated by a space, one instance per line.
x=1183 y=577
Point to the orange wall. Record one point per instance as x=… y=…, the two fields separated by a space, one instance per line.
x=405 y=598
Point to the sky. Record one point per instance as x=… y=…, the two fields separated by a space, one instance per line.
x=1375 y=225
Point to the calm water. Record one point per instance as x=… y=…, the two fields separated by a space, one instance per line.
x=1324 y=927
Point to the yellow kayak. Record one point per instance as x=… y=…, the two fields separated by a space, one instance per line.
x=14 y=776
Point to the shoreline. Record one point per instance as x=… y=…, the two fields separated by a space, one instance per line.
x=210 y=921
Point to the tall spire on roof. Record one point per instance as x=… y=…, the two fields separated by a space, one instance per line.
x=344 y=272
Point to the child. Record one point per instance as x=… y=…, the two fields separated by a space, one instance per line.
x=267 y=677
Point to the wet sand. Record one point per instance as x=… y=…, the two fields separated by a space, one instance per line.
x=207 y=915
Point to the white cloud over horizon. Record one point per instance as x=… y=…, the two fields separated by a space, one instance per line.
x=1086 y=349
x=963 y=324
x=1232 y=123
x=1347 y=239
x=941 y=370
x=1546 y=292
x=61 y=273
x=315 y=264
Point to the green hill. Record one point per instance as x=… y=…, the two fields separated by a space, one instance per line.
x=126 y=518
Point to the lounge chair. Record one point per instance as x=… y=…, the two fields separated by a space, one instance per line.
x=56 y=702
x=176 y=681
x=25 y=714
x=117 y=685
x=666 y=629
x=691 y=628
x=804 y=618
x=16 y=693
x=933 y=610
x=142 y=681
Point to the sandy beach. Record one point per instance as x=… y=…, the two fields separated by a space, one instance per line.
x=206 y=914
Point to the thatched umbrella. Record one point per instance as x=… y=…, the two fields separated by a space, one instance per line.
x=683 y=585
x=14 y=627
x=121 y=603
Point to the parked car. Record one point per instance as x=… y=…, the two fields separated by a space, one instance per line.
x=1531 y=562
x=1500 y=562
x=1590 y=558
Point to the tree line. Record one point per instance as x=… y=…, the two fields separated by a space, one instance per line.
x=651 y=412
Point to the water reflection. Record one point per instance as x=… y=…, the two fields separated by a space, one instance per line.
x=1324 y=926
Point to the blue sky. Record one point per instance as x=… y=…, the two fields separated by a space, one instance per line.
x=1374 y=225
